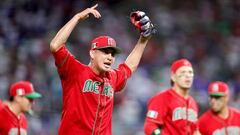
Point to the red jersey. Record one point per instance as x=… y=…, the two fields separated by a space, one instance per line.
x=211 y=124
x=87 y=98
x=172 y=113
x=10 y=124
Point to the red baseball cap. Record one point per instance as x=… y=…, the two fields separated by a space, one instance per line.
x=103 y=42
x=179 y=63
x=218 y=88
x=23 y=88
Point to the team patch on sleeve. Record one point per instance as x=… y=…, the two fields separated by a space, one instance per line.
x=152 y=114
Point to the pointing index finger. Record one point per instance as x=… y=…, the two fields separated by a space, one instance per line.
x=93 y=7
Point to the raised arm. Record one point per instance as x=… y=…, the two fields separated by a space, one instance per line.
x=61 y=37
x=143 y=23
x=135 y=56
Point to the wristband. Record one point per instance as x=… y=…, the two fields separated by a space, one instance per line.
x=156 y=132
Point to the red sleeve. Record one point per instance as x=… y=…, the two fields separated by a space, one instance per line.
x=61 y=56
x=157 y=111
x=149 y=127
x=65 y=62
x=157 y=108
x=123 y=72
x=201 y=123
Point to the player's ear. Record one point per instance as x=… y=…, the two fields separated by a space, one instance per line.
x=227 y=98
x=91 y=53
x=173 y=77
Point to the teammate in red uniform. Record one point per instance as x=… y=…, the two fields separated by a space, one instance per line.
x=12 y=119
x=174 y=111
x=88 y=90
x=219 y=119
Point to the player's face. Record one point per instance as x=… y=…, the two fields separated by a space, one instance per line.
x=217 y=103
x=183 y=77
x=25 y=103
x=104 y=59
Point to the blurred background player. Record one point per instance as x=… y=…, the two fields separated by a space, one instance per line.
x=174 y=111
x=88 y=90
x=220 y=119
x=12 y=119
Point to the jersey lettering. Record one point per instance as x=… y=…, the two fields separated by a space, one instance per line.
x=90 y=86
x=93 y=86
x=231 y=130
x=180 y=113
x=14 y=131
x=108 y=90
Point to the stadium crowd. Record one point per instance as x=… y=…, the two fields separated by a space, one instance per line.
x=203 y=31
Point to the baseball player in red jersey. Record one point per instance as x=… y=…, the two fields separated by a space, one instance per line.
x=219 y=119
x=174 y=111
x=88 y=90
x=12 y=119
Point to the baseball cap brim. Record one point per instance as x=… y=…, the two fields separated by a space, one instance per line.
x=33 y=95
x=116 y=49
x=217 y=94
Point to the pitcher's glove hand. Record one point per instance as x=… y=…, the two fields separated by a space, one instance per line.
x=143 y=23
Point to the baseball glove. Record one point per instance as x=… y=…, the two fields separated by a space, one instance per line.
x=143 y=23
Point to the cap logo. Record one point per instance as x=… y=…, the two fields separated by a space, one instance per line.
x=110 y=42
x=215 y=87
x=31 y=86
x=20 y=92
x=94 y=45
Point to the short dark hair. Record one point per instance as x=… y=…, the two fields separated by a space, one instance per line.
x=171 y=82
x=11 y=98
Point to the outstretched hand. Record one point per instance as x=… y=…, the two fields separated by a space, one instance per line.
x=86 y=13
x=142 y=22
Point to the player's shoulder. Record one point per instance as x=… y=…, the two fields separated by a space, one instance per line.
x=122 y=66
x=235 y=111
x=162 y=94
x=3 y=107
x=84 y=69
x=159 y=98
x=1 y=104
x=205 y=116
x=192 y=99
